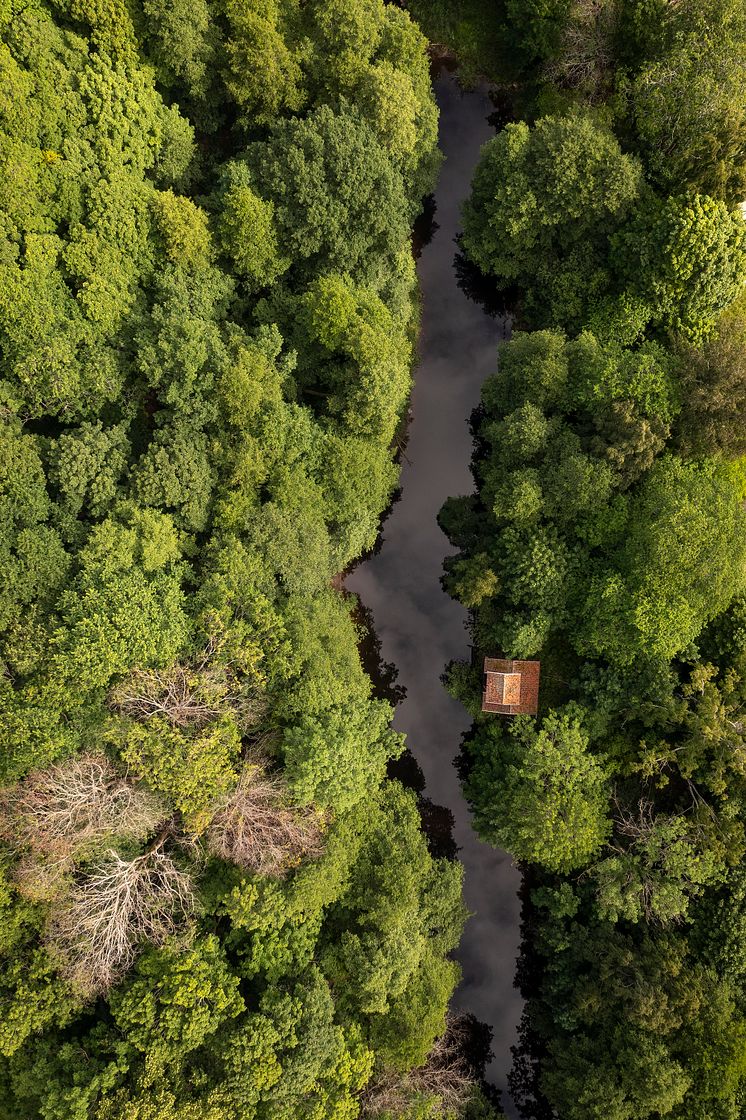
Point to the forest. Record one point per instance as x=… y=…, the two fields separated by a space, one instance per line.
x=214 y=904
x=607 y=538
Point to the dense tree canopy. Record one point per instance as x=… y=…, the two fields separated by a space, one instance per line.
x=213 y=903
x=543 y=205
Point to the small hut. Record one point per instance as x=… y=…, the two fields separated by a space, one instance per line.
x=511 y=688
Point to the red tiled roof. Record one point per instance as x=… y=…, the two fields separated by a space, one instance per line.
x=511 y=687
x=503 y=688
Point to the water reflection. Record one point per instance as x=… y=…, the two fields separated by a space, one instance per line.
x=424 y=227
x=481 y=289
x=419 y=628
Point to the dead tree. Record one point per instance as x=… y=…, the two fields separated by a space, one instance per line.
x=257 y=828
x=586 y=54
x=189 y=695
x=57 y=811
x=445 y=1077
x=112 y=911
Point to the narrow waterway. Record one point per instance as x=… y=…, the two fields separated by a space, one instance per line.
x=420 y=628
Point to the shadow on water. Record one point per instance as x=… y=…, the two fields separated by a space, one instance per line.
x=437 y=820
x=416 y=627
x=480 y=289
x=530 y=1050
x=425 y=227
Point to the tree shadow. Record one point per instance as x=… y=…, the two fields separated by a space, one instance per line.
x=425 y=226
x=498 y=303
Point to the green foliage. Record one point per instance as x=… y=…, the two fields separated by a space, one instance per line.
x=175 y=475
x=338 y=202
x=472 y=30
x=207 y=301
x=540 y=793
x=348 y=325
x=714 y=382
x=247 y=229
x=682 y=561
x=34 y=999
x=125 y=606
x=339 y=756
x=401 y=913
x=689 y=115
x=347 y=34
x=262 y=74
x=175 y=1002
x=535 y=26
x=85 y=465
x=669 y=860
x=179 y=42
x=191 y=771
x=33 y=561
x=686 y=257
x=544 y=203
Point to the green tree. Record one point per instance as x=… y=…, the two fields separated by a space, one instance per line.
x=180 y=38
x=247 y=229
x=535 y=27
x=682 y=561
x=345 y=35
x=33 y=562
x=544 y=203
x=175 y=1001
x=262 y=72
x=175 y=475
x=637 y=1078
x=206 y=332
x=86 y=466
x=338 y=202
x=540 y=793
x=340 y=755
x=126 y=606
x=714 y=389
x=664 y=862
x=686 y=256
x=401 y=912
x=688 y=109
x=191 y=770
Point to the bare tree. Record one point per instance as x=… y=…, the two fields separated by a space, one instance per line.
x=115 y=908
x=257 y=828
x=56 y=811
x=445 y=1076
x=639 y=823
x=633 y=823
x=586 y=54
x=190 y=695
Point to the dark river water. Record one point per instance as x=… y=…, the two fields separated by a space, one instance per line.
x=419 y=627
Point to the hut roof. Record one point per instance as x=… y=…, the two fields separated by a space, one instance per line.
x=511 y=687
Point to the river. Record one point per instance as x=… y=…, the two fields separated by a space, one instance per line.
x=419 y=627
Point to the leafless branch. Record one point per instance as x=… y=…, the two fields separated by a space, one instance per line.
x=446 y=1076
x=586 y=55
x=188 y=695
x=58 y=810
x=257 y=828
x=112 y=911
